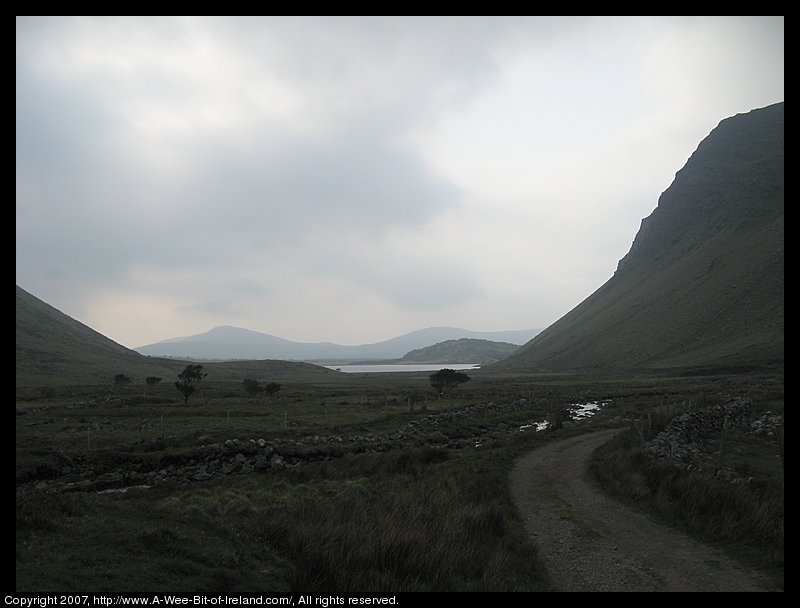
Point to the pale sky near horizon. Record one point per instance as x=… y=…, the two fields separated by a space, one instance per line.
x=352 y=179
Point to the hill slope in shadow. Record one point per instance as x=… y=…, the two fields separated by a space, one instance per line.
x=702 y=285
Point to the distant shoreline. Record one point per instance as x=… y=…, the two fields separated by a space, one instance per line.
x=355 y=368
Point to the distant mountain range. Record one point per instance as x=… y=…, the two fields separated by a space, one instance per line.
x=54 y=349
x=702 y=285
x=232 y=343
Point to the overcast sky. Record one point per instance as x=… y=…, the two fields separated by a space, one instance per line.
x=352 y=179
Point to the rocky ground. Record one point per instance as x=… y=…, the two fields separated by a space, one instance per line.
x=244 y=456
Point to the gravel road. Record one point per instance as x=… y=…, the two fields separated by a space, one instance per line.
x=592 y=543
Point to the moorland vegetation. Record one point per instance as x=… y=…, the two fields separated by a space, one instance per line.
x=343 y=511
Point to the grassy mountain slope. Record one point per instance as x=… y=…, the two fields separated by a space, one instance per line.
x=702 y=284
x=53 y=348
x=463 y=350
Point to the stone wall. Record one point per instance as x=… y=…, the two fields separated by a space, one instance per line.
x=246 y=456
x=684 y=435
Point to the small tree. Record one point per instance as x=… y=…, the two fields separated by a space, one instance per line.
x=119 y=381
x=253 y=387
x=188 y=380
x=446 y=379
x=150 y=382
x=271 y=389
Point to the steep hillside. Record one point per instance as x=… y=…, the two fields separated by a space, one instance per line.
x=53 y=348
x=464 y=350
x=702 y=284
x=51 y=345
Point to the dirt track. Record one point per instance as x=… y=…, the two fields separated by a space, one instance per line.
x=592 y=543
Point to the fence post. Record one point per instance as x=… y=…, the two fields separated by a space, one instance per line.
x=723 y=438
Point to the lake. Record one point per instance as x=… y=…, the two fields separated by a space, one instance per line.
x=411 y=367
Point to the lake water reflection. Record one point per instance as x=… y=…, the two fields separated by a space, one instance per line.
x=411 y=367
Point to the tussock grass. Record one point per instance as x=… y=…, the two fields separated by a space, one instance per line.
x=410 y=521
x=130 y=542
x=405 y=520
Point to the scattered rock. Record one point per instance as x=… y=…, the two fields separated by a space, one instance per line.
x=241 y=457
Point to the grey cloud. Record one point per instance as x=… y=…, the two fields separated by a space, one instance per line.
x=297 y=188
x=101 y=209
x=222 y=306
x=424 y=287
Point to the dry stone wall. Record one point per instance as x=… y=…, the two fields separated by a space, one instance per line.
x=683 y=437
x=246 y=456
